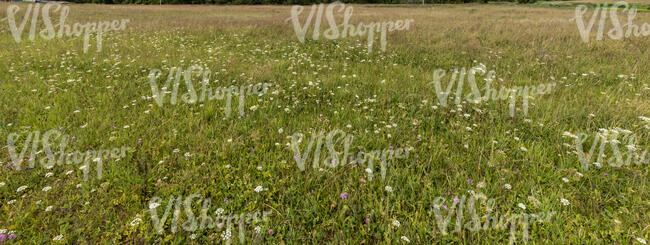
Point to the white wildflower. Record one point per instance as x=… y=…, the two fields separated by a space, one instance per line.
x=564 y=201
x=154 y=205
x=396 y=223
x=405 y=239
x=136 y=221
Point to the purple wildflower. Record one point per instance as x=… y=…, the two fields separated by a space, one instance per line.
x=3 y=237
x=12 y=236
x=367 y=220
x=344 y=195
x=270 y=231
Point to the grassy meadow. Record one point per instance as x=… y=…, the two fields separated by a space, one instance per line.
x=385 y=99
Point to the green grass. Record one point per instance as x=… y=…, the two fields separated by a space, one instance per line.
x=110 y=88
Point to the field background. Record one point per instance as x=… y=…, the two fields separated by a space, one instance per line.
x=524 y=44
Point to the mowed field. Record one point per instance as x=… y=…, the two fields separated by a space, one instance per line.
x=244 y=162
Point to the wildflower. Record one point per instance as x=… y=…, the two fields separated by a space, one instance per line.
x=3 y=237
x=50 y=174
x=388 y=188
x=58 y=238
x=270 y=231
x=523 y=149
x=219 y=211
x=193 y=236
x=396 y=223
x=456 y=200
x=362 y=180
x=522 y=206
x=564 y=201
x=47 y=188
x=259 y=188
x=565 y=180
x=49 y=208
x=226 y=235
x=22 y=188
x=13 y=236
x=569 y=134
x=258 y=229
x=344 y=195
x=367 y=220
x=136 y=221
x=469 y=181
x=606 y=174
x=154 y=205
x=481 y=184
x=11 y=201
x=406 y=239
x=253 y=108
x=507 y=186
x=641 y=240
x=2 y=184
